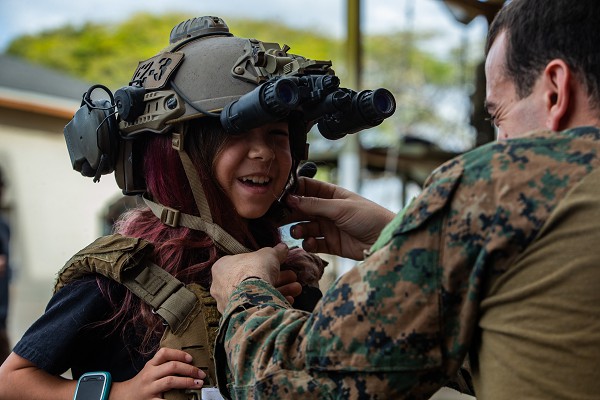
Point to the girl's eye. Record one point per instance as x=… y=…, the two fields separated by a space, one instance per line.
x=279 y=132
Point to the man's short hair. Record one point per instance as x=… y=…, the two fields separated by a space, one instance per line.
x=539 y=31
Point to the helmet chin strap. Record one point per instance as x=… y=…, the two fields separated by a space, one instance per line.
x=204 y=223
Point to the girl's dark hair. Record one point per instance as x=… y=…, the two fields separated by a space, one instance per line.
x=539 y=31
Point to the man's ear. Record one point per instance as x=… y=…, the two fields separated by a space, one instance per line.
x=557 y=94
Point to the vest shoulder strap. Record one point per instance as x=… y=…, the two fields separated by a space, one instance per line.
x=108 y=255
x=125 y=260
x=190 y=312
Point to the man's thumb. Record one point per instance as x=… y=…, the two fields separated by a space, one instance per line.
x=281 y=250
x=303 y=204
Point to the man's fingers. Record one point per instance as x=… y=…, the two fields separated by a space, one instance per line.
x=306 y=230
x=313 y=245
x=312 y=208
x=315 y=188
x=290 y=290
x=285 y=277
x=313 y=238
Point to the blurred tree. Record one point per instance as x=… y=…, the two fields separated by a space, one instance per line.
x=421 y=80
x=98 y=53
x=110 y=53
x=425 y=85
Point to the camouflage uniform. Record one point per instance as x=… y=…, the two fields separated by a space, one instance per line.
x=401 y=322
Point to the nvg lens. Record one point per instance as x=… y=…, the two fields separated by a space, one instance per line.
x=384 y=101
x=287 y=92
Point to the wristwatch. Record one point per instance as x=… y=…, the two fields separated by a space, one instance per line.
x=93 y=386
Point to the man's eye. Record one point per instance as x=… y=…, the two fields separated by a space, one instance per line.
x=278 y=132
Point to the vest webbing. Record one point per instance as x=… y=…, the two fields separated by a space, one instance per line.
x=189 y=310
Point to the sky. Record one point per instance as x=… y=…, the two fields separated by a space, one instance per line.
x=19 y=17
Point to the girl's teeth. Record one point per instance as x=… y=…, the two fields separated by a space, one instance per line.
x=256 y=179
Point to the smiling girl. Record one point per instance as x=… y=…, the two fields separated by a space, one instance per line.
x=209 y=193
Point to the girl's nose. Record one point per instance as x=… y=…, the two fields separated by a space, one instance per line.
x=260 y=147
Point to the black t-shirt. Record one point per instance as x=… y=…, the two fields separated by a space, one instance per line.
x=67 y=335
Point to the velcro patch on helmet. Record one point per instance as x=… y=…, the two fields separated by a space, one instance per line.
x=155 y=72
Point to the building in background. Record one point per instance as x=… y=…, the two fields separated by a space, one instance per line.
x=53 y=211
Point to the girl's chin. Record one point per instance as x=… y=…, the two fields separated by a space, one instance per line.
x=251 y=215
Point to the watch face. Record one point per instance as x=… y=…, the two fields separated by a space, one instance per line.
x=92 y=387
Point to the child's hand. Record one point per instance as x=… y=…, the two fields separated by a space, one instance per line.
x=168 y=369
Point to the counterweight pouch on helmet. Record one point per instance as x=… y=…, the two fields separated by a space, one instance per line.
x=188 y=310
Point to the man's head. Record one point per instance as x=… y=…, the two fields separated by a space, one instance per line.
x=543 y=65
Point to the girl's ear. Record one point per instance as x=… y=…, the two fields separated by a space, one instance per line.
x=557 y=95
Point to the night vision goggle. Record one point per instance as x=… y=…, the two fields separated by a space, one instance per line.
x=336 y=111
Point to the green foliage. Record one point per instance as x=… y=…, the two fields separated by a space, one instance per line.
x=110 y=53
x=399 y=61
x=307 y=43
x=107 y=54
x=420 y=79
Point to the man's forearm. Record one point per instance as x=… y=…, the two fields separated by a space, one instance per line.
x=346 y=346
x=262 y=344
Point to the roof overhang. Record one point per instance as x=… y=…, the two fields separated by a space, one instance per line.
x=37 y=103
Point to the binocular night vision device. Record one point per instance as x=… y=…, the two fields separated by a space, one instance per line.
x=337 y=111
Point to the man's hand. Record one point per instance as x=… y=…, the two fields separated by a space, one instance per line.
x=288 y=285
x=335 y=220
x=229 y=271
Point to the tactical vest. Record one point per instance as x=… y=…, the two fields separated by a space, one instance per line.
x=188 y=310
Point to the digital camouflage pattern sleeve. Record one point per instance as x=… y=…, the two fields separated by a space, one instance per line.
x=400 y=323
